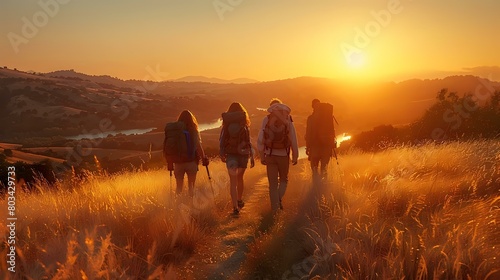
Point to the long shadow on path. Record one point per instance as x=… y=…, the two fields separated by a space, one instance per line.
x=317 y=189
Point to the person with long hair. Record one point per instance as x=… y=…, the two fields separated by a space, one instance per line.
x=235 y=150
x=189 y=166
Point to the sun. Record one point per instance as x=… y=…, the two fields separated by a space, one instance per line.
x=356 y=60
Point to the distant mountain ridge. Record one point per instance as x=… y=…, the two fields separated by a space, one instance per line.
x=115 y=81
x=204 y=79
x=460 y=80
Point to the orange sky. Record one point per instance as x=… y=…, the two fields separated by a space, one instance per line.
x=263 y=40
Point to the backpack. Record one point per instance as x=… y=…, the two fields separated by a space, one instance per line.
x=276 y=131
x=236 y=134
x=323 y=127
x=178 y=145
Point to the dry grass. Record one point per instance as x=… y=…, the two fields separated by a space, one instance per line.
x=124 y=226
x=110 y=154
x=409 y=212
x=412 y=213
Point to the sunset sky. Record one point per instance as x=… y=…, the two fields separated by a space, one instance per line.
x=263 y=40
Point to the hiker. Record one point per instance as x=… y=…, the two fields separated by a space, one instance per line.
x=320 y=136
x=235 y=150
x=277 y=137
x=183 y=151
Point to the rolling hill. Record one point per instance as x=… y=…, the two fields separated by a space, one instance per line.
x=215 y=80
x=67 y=103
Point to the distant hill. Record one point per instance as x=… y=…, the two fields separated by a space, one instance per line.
x=14 y=73
x=67 y=102
x=215 y=80
x=103 y=79
x=118 y=82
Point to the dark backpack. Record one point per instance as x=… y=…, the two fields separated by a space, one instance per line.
x=235 y=132
x=323 y=127
x=178 y=145
x=276 y=132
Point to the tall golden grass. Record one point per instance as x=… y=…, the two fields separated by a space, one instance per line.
x=122 y=226
x=408 y=212
x=428 y=212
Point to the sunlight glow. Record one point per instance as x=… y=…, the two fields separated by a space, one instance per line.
x=208 y=126
x=356 y=60
x=342 y=137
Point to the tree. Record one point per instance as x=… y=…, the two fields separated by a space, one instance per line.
x=441 y=96
x=495 y=99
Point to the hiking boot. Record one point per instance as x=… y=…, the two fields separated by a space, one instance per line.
x=241 y=204
x=236 y=211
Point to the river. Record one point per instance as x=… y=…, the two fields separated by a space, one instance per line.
x=115 y=132
x=138 y=131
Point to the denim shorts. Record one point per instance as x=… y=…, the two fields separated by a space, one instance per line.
x=237 y=161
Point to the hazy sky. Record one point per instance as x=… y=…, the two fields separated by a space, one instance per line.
x=264 y=40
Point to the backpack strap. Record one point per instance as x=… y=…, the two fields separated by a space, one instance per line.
x=267 y=126
x=287 y=127
x=289 y=138
x=249 y=143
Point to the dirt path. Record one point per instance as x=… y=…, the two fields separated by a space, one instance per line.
x=223 y=257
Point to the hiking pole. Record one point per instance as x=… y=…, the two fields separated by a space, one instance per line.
x=210 y=180
x=170 y=194
x=208 y=173
x=335 y=154
x=335 y=119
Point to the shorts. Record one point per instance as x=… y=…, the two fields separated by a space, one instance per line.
x=320 y=152
x=237 y=161
x=190 y=168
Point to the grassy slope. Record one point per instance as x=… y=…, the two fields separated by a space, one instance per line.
x=406 y=212
x=125 y=225
x=29 y=157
